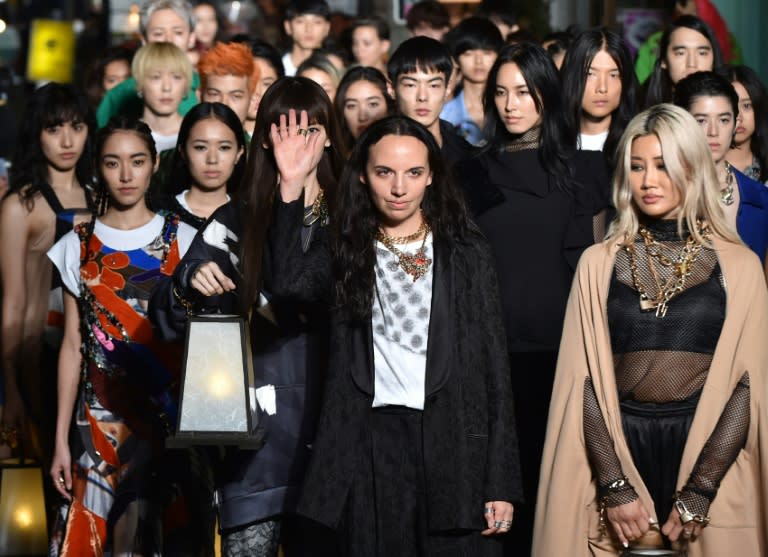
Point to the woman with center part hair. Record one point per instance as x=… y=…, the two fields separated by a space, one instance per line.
x=540 y=203
x=749 y=152
x=208 y=162
x=228 y=270
x=657 y=427
x=415 y=452
x=109 y=462
x=363 y=98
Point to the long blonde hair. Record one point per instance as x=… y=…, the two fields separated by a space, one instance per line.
x=688 y=163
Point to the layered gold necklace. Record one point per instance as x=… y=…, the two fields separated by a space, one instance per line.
x=416 y=264
x=726 y=194
x=681 y=265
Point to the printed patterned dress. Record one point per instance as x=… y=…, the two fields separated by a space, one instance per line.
x=122 y=478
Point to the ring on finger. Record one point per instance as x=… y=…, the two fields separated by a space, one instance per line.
x=498 y=523
x=302 y=131
x=687 y=532
x=506 y=524
x=488 y=510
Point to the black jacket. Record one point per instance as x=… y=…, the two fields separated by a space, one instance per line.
x=470 y=442
x=289 y=352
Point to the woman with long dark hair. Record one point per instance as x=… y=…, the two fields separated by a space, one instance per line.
x=539 y=202
x=749 y=153
x=687 y=46
x=656 y=429
x=208 y=163
x=415 y=451
x=116 y=399
x=363 y=98
x=227 y=270
x=50 y=182
x=599 y=90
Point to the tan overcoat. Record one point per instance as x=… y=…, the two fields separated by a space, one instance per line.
x=567 y=519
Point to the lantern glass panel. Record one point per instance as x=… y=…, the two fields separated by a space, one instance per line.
x=214 y=385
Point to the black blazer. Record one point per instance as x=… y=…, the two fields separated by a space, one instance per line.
x=470 y=441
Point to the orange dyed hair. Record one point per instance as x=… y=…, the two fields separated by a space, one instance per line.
x=228 y=59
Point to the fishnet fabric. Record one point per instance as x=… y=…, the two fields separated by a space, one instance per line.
x=664 y=359
x=719 y=452
x=601 y=452
x=661 y=375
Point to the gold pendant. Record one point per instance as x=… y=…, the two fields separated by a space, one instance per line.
x=661 y=310
x=647 y=305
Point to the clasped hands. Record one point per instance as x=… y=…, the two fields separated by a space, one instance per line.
x=631 y=521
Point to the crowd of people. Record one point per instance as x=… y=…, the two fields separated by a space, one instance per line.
x=510 y=300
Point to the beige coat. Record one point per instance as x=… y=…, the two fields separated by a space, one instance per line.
x=567 y=520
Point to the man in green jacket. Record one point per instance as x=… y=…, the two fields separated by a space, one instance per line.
x=161 y=21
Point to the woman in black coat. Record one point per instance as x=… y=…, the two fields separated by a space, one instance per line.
x=416 y=450
x=538 y=202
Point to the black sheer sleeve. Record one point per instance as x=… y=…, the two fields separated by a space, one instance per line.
x=298 y=274
x=719 y=452
x=614 y=488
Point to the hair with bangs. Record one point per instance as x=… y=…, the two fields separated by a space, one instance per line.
x=228 y=59
x=259 y=184
x=688 y=163
x=182 y=8
x=160 y=56
x=356 y=221
x=474 y=33
x=49 y=106
x=420 y=54
x=574 y=74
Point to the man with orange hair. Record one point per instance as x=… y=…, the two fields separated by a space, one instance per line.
x=228 y=75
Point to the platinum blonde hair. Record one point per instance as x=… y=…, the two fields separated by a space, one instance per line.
x=688 y=162
x=182 y=8
x=160 y=56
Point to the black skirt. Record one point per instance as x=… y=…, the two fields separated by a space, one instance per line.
x=656 y=435
x=386 y=511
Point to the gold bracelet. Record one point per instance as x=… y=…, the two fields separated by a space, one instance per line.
x=182 y=300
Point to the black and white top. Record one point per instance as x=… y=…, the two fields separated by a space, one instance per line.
x=400 y=320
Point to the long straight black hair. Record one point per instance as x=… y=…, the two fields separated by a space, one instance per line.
x=355 y=220
x=574 y=73
x=541 y=77
x=259 y=184
x=660 y=86
x=181 y=178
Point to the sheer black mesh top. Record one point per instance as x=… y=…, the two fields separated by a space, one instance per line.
x=663 y=359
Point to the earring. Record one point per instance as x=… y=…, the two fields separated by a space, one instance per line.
x=140 y=94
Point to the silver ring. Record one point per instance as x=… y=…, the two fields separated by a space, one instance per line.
x=497 y=524
x=686 y=532
x=488 y=510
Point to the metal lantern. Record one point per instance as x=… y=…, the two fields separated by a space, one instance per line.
x=217 y=402
x=23 y=529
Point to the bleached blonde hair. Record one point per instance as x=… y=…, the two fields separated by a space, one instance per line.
x=688 y=162
x=160 y=56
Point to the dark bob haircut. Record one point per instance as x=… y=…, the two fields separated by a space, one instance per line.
x=420 y=53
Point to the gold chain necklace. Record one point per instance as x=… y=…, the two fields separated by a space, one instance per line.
x=726 y=194
x=319 y=211
x=416 y=264
x=682 y=267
